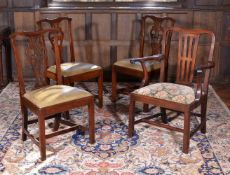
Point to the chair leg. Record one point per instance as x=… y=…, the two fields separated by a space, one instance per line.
x=100 y=90
x=71 y=84
x=114 y=85
x=42 y=141
x=163 y=116
x=56 y=123
x=145 y=107
x=91 y=121
x=131 y=116
x=66 y=115
x=186 y=136
x=24 y=122
x=203 y=115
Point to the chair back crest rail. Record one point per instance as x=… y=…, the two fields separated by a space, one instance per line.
x=35 y=56
x=63 y=24
x=188 y=44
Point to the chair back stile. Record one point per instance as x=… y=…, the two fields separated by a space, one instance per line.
x=210 y=59
x=57 y=52
x=57 y=24
x=22 y=90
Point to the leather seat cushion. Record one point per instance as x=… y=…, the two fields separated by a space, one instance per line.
x=168 y=91
x=151 y=65
x=70 y=69
x=55 y=94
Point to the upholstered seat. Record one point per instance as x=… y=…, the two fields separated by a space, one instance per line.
x=54 y=95
x=72 y=69
x=150 y=65
x=168 y=91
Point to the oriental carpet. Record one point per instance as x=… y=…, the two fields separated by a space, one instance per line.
x=152 y=150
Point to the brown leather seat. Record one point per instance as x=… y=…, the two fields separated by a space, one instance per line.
x=55 y=95
x=72 y=69
x=125 y=63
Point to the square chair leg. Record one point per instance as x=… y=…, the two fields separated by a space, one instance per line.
x=186 y=136
x=42 y=139
x=100 y=90
x=131 y=117
x=114 y=85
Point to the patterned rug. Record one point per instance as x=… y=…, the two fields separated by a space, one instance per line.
x=152 y=150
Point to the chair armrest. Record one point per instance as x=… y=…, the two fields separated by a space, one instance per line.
x=199 y=75
x=142 y=60
x=210 y=65
x=157 y=57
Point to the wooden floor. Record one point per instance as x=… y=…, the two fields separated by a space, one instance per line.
x=223 y=90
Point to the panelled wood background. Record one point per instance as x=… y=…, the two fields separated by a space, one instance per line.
x=103 y=36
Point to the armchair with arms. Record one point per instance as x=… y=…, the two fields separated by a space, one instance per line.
x=188 y=92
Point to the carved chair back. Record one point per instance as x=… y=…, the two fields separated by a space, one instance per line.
x=30 y=52
x=64 y=25
x=189 y=41
x=152 y=30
